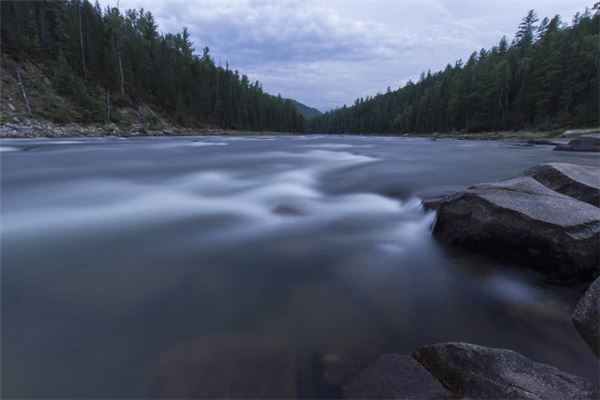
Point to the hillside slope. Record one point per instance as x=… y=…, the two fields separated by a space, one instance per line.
x=87 y=65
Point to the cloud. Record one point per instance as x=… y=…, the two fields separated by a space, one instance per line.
x=289 y=31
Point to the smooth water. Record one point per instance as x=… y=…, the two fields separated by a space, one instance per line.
x=119 y=253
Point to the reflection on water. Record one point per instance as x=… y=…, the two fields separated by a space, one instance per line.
x=251 y=266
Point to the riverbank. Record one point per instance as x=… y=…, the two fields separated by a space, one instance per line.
x=32 y=128
x=501 y=135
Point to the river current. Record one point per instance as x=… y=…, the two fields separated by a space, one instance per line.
x=117 y=253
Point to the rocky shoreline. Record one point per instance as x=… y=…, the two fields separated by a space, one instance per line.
x=35 y=129
x=32 y=128
x=547 y=219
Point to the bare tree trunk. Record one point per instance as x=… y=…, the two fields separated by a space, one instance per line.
x=23 y=91
x=42 y=16
x=81 y=41
x=18 y=17
x=121 y=72
x=217 y=97
x=108 y=105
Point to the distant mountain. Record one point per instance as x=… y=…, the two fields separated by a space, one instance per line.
x=306 y=111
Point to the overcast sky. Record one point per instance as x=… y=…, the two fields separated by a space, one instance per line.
x=327 y=53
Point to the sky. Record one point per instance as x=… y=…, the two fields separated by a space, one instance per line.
x=327 y=53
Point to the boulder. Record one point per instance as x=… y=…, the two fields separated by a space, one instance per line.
x=395 y=376
x=577 y=181
x=479 y=372
x=432 y=203
x=522 y=220
x=582 y=143
x=586 y=316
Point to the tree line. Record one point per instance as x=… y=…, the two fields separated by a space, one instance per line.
x=104 y=56
x=546 y=78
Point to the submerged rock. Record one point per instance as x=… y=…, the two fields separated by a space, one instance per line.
x=582 y=143
x=479 y=372
x=544 y=142
x=586 y=316
x=522 y=220
x=230 y=367
x=395 y=376
x=577 y=181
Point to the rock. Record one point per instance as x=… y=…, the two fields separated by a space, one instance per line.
x=341 y=368
x=432 y=203
x=286 y=209
x=573 y=133
x=543 y=142
x=479 y=372
x=586 y=316
x=395 y=376
x=522 y=220
x=577 y=181
x=582 y=143
x=229 y=367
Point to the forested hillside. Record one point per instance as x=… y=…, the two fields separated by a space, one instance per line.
x=546 y=78
x=102 y=59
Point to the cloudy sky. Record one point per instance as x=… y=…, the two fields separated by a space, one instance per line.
x=327 y=53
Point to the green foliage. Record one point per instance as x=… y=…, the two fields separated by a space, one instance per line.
x=545 y=79
x=63 y=77
x=92 y=50
x=70 y=85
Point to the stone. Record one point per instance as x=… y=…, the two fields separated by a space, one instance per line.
x=478 y=372
x=288 y=210
x=432 y=203
x=544 y=142
x=395 y=376
x=582 y=143
x=573 y=133
x=586 y=316
x=577 y=181
x=521 y=220
x=227 y=367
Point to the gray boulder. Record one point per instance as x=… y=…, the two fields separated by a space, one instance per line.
x=522 y=220
x=479 y=372
x=586 y=316
x=395 y=376
x=582 y=143
x=577 y=181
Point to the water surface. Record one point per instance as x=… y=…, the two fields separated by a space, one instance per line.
x=118 y=253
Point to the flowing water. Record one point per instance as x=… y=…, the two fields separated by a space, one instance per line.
x=119 y=253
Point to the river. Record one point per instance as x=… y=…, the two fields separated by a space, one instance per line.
x=116 y=252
